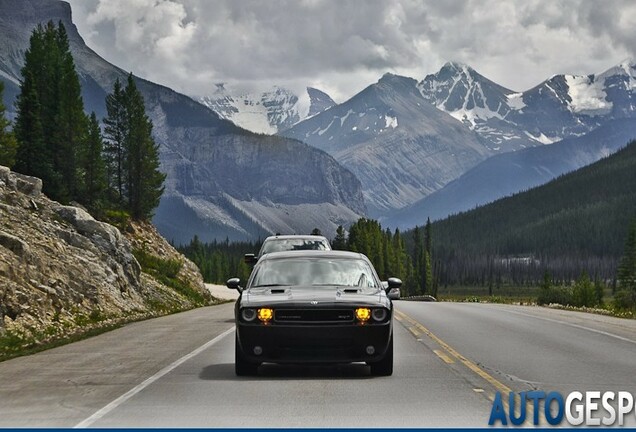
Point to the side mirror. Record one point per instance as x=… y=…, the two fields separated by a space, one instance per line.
x=250 y=259
x=234 y=283
x=394 y=283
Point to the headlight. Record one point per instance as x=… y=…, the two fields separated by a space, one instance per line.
x=248 y=315
x=363 y=314
x=379 y=314
x=265 y=315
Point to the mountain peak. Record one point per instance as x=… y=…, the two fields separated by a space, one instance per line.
x=393 y=79
x=458 y=66
x=319 y=101
x=626 y=67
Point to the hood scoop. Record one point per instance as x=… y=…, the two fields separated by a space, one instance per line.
x=351 y=290
x=277 y=291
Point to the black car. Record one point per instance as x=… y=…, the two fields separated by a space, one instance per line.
x=314 y=307
x=281 y=243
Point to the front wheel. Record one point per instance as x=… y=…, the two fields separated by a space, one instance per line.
x=384 y=367
x=243 y=367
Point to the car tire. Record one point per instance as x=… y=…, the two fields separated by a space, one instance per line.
x=384 y=367
x=243 y=367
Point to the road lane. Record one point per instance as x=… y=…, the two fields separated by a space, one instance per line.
x=204 y=392
x=530 y=348
x=65 y=385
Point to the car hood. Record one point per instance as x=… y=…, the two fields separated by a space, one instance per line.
x=313 y=296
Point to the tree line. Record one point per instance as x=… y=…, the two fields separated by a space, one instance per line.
x=387 y=251
x=575 y=224
x=114 y=170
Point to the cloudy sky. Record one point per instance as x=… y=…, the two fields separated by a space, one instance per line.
x=341 y=46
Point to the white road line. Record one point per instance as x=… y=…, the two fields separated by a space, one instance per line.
x=132 y=392
x=578 y=326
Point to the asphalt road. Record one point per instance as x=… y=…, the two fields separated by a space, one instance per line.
x=450 y=360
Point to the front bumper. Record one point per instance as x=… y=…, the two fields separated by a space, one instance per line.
x=314 y=343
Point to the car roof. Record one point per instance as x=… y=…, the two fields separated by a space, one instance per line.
x=295 y=236
x=315 y=254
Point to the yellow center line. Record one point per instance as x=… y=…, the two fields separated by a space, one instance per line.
x=444 y=357
x=415 y=331
x=504 y=389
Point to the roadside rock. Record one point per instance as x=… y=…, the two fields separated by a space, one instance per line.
x=63 y=273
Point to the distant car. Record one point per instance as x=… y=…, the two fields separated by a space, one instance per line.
x=281 y=243
x=314 y=307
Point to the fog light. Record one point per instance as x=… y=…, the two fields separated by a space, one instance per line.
x=265 y=315
x=379 y=314
x=248 y=314
x=258 y=350
x=363 y=314
x=370 y=350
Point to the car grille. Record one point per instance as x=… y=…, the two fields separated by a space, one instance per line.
x=311 y=316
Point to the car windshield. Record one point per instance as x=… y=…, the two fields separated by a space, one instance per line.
x=282 y=245
x=314 y=272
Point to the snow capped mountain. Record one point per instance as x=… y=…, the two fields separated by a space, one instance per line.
x=561 y=107
x=398 y=145
x=479 y=103
x=269 y=112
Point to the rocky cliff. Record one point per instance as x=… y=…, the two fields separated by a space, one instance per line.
x=63 y=273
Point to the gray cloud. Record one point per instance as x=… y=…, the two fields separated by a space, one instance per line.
x=343 y=46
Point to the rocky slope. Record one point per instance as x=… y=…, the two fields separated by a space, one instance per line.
x=64 y=273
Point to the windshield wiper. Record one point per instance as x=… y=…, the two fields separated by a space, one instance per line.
x=268 y=285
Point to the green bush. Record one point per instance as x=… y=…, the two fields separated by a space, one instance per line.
x=166 y=271
x=157 y=266
x=625 y=300
x=583 y=293
x=555 y=295
x=118 y=218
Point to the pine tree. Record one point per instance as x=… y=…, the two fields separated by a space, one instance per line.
x=93 y=168
x=71 y=124
x=8 y=143
x=418 y=260
x=33 y=156
x=428 y=258
x=114 y=149
x=627 y=268
x=144 y=180
x=340 y=241
x=51 y=124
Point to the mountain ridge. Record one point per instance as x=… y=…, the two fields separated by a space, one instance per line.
x=509 y=173
x=399 y=154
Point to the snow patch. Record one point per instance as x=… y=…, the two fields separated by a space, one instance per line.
x=588 y=96
x=515 y=101
x=543 y=139
x=322 y=131
x=343 y=119
x=390 y=122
